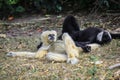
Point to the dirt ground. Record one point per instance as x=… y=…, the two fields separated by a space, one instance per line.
x=23 y=34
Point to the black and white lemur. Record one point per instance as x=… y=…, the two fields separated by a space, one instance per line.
x=86 y=36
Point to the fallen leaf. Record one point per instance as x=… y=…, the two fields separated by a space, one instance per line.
x=3 y=35
x=10 y=18
x=39 y=30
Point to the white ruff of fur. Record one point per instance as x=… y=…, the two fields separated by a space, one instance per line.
x=100 y=35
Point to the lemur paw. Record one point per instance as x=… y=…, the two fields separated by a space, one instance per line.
x=87 y=48
x=72 y=60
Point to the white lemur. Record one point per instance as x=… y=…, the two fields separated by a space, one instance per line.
x=86 y=36
x=53 y=49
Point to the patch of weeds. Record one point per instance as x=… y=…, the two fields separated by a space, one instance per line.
x=93 y=58
x=92 y=72
x=79 y=71
x=118 y=43
x=53 y=77
x=78 y=79
x=94 y=78
x=34 y=70
x=1 y=67
x=113 y=55
x=109 y=75
x=110 y=56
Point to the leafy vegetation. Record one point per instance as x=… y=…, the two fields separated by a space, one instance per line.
x=12 y=7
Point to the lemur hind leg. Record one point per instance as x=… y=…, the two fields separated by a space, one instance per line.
x=71 y=49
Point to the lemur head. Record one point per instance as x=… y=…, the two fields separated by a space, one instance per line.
x=104 y=37
x=49 y=36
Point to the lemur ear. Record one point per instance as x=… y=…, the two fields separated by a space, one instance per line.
x=100 y=35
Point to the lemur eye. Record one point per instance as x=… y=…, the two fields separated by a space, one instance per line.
x=51 y=35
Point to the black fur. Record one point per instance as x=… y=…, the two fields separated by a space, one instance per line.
x=70 y=26
x=39 y=45
x=73 y=26
x=89 y=35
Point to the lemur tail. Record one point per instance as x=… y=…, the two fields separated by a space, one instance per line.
x=115 y=35
x=70 y=23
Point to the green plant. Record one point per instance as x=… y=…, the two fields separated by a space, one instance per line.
x=49 y=5
x=92 y=71
x=11 y=7
x=11 y=1
x=20 y=9
x=93 y=58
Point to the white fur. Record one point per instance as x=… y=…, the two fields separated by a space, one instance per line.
x=94 y=46
x=100 y=35
x=72 y=60
x=70 y=47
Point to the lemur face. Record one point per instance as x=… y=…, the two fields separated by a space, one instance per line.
x=51 y=37
x=104 y=37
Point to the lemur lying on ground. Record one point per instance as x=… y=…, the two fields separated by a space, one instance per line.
x=86 y=36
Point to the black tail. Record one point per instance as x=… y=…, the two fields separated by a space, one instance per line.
x=70 y=24
x=115 y=35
